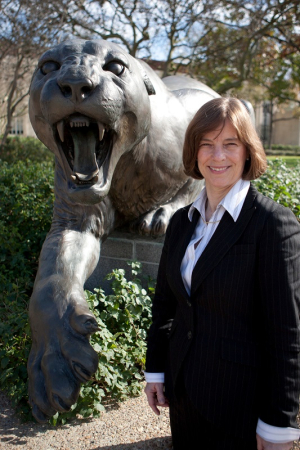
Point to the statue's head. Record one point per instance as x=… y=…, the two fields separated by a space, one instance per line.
x=89 y=104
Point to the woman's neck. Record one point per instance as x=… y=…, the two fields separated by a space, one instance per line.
x=213 y=199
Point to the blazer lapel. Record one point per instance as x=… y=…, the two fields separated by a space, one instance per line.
x=225 y=236
x=186 y=230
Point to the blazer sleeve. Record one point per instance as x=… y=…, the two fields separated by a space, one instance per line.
x=279 y=300
x=163 y=312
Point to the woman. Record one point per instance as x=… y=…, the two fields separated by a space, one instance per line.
x=223 y=349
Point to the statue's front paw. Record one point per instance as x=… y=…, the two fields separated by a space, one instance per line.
x=61 y=358
x=154 y=223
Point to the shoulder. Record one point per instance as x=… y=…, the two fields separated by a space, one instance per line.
x=179 y=219
x=181 y=214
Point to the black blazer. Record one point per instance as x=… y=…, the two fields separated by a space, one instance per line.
x=236 y=338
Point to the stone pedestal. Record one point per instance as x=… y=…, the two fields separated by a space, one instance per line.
x=121 y=247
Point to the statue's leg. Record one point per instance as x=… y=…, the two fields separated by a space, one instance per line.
x=155 y=222
x=61 y=356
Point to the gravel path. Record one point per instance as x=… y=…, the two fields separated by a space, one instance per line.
x=129 y=426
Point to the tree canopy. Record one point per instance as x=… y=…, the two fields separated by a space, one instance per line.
x=227 y=44
x=257 y=42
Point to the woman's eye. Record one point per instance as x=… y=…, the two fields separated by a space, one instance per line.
x=49 y=66
x=114 y=67
x=205 y=145
x=230 y=144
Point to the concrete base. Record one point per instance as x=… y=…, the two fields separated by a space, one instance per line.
x=121 y=247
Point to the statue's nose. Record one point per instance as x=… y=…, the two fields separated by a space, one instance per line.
x=76 y=89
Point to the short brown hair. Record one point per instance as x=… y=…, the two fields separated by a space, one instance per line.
x=211 y=116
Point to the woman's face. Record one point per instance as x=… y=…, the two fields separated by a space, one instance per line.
x=221 y=158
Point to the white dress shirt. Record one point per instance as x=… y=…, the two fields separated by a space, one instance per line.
x=232 y=203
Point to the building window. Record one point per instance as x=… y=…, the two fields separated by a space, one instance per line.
x=17 y=126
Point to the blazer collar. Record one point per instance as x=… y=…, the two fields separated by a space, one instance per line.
x=225 y=236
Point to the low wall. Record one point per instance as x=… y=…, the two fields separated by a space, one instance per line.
x=121 y=247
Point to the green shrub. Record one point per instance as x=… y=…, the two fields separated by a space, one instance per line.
x=282 y=184
x=124 y=318
x=26 y=202
x=294 y=148
x=15 y=343
x=283 y=150
x=19 y=148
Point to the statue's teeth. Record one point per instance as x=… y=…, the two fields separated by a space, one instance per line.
x=60 y=129
x=79 y=123
x=101 y=131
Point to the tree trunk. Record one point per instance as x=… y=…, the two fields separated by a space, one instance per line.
x=271 y=125
x=4 y=137
x=11 y=106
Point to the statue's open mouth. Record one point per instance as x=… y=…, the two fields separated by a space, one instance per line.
x=87 y=146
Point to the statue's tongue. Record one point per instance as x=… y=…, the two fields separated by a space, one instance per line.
x=85 y=164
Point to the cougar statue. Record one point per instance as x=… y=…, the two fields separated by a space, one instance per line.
x=117 y=133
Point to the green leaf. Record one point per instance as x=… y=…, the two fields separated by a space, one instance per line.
x=4 y=362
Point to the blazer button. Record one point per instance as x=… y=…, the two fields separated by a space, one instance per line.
x=189 y=335
x=189 y=303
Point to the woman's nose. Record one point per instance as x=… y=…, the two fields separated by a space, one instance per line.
x=218 y=152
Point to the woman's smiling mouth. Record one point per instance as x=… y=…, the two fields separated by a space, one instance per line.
x=218 y=169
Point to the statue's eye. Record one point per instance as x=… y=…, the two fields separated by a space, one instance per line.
x=49 y=66
x=115 y=67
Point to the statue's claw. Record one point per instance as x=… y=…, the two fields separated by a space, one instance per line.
x=154 y=223
x=39 y=415
x=84 y=324
x=60 y=360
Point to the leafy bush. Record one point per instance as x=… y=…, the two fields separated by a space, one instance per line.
x=19 y=148
x=281 y=150
x=15 y=343
x=26 y=202
x=123 y=318
x=282 y=184
x=294 y=148
x=26 y=193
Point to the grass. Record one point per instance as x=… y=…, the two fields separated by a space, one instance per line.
x=290 y=161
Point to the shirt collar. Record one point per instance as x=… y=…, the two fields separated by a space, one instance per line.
x=232 y=202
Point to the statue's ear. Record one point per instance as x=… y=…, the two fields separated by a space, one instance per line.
x=250 y=109
x=146 y=79
x=148 y=84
